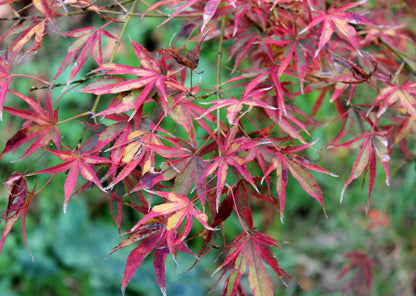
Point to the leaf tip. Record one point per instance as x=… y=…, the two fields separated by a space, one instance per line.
x=367 y=209
x=163 y=290
x=303 y=31
x=326 y=215
x=342 y=195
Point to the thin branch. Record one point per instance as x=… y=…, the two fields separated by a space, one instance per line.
x=219 y=56
x=73 y=117
x=116 y=45
x=54 y=85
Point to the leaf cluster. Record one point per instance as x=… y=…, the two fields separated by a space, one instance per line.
x=187 y=157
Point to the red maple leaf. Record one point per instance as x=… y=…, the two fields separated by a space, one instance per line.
x=266 y=81
x=88 y=43
x=149 y=76
x=184 y=112
x=372 y=145
x=25 y=31
x=179 y=209
x=405 y=94
x=41 y=125
x=228 y=157
x=249 y=251
x=132 y=150
x=5 y=78
x=295 y=49
x=76 y=162
x=183 y=164
x=152 y=235
x=286 y=160
x=19 y=201
x=138 y=254
x=337 y=18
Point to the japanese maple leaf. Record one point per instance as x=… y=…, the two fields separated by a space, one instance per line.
x=182 y=163
x=266 y=80
x=76 y=162
x=285 y=121
x=363 y=266
x=151 y=236
x=156 y=242
x=87 y=43
x=47 y=8
x=133 y=150
x=209 y=11
x=286 y=160
x=249 y=251
x=404 y=93
x=40 y=125
x=36 y=28
x=18 y=205
x=146 y=230
x=228 y=156
x=245 y=42
x=372 y=145
x=337 y=18
x=179 y=209
x=246 y=13
x=293 y=50
x=150 y=240
x=149 y=76
x=5 y=79
x=184 y=111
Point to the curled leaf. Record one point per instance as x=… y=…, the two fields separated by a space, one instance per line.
x=19 y=201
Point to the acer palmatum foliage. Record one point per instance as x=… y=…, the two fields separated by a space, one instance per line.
x=209 y=150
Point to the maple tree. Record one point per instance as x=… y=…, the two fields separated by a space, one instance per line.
x=188 y=156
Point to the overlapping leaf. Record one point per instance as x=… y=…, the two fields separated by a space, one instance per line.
x=149 y=77
x=372 y=145
x=5 y=79
x=405 y=94
x=40 y=125
x=134 y=150
x=76 y=162
x=87 y=43
x=136 y=257
x=337 y=18
x=35 y=27
x=286 y=160
x=183 y=164
x=229 y=149
x=178 y=210
x=249 y=251
x=18 y=205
